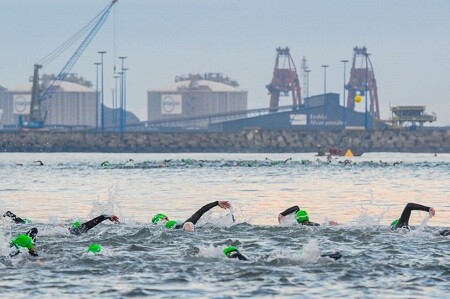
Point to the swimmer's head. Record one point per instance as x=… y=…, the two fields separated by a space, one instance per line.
x=158 y=217
x=229 y=250
x=170 y=224
x=76 y=224
x=302 y=216
x=23 y=240
x=394 y=224
x=188 y=227
x=94 y=248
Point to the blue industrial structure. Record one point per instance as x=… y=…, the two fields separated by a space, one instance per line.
x=321 y=112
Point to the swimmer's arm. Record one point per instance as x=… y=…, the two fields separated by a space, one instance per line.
x=197 y=215
x=14 y=217
x=97 y=220
x=404 y=218
x=288 y=211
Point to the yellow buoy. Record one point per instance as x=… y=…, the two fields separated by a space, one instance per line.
x=349 y=153
x=358 y=99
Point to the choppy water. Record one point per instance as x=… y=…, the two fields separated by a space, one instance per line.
x=139 y=259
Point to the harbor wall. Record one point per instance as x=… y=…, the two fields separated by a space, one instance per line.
x=245 y=141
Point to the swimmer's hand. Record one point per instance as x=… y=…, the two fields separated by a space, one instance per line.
x=432 y=212
x=114 y=218
x=280 y=218
x=333 y=223
x=224 y=204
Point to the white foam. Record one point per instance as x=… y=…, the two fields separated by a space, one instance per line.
x=211 y=251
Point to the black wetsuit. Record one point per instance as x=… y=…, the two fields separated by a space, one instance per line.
x=295 y=209
x=14 y=217
x=406 y=214
x=238 y=255
x=88 y=225
x=32 y=233
x=197 y=215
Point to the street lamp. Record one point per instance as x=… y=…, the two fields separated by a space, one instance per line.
x=324 y=91
x=307 y=71
x=122 y=93
x=96 y=98
x=115 y=101
x=103 y=107
x=343 y=96
x=125 y=98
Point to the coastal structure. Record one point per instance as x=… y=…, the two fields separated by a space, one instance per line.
x=72 y=105
x=196 y=95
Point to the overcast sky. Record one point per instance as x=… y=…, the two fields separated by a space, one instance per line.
x=409 y=42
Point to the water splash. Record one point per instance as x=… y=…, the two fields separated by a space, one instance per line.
x=211 y=251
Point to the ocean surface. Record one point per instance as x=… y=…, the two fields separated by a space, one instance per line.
x=139 y=259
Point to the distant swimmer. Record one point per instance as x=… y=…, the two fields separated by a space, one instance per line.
x=38 y=163
x=26 y=241
x=232 y=253
x=190 y=223
x=403 y=221
x=79 y=228
x=301 y=216
x=15 y=218
x=105 y=164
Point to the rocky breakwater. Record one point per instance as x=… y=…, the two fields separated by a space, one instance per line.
x=245 y=141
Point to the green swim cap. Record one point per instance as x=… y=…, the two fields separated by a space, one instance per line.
x=228 y=250
x=76 y=224
x=301 y=216
x=158 y=217
x=23 y=240
x=171 y=224
x=394 y=224
x=26 y=220
x=94 y=248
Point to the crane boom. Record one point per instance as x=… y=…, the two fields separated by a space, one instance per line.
x=36 y=118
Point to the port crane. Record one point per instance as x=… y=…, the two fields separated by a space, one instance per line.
x=285 y=79
x=362 y=82
x=39 y=97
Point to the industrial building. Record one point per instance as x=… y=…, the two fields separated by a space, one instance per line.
x=71 y=105
x=195 y=95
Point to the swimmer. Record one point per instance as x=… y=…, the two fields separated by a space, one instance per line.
x=79 y=228
x=403 y=221
x=301 y=216
x=27 y=241
x=189 y=224
x=232 y=252
x=15 y=218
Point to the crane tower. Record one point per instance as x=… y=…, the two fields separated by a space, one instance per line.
x=362 y=82
x=285 y=79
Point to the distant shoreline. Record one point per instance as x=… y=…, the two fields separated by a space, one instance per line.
x=248 y=141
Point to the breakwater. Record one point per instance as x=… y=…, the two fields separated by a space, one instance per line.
x=245 y=141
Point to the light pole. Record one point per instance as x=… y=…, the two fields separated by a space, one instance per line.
x=121 y=111
x=307 y=82
x=366 y=122
x=103 y=108
x=96 y=98
x=115 y=101
x=343 y=99
x=125 y=98
x=324 y=91
x=307 y=97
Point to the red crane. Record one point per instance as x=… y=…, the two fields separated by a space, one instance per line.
x=285 y=79
x=362 y=82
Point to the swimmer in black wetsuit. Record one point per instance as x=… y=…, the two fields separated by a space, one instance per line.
x=26 y=240
x=301 y=216
x=189 y=224
x=15 y=218
x=79 y=228
x=403 y=221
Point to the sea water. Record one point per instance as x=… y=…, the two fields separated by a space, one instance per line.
x=363 y=194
